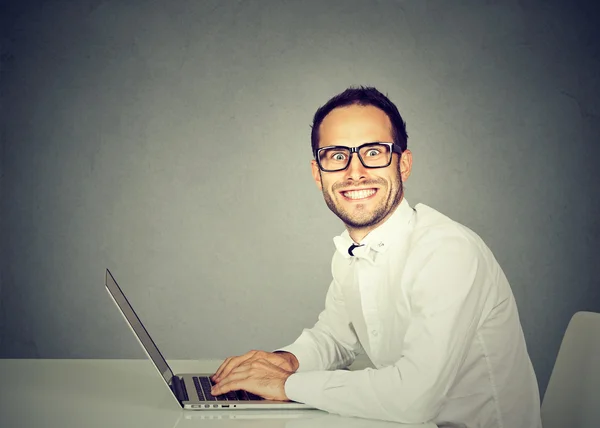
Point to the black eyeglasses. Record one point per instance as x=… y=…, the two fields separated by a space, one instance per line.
x=371 y=155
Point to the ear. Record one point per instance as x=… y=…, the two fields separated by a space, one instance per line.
x=405 y=164
x=316 y=174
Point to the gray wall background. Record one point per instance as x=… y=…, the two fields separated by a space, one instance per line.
x=169 y=142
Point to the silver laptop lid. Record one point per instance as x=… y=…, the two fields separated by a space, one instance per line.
x=138 y=328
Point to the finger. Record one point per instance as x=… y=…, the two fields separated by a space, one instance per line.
x=230 y=364
x=233 y=381
x=224 y=388
x=237 y=373
x=249 y=370
x=253 y=380
x=221 y=368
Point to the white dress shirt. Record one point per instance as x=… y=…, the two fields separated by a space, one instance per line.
x=429 y=304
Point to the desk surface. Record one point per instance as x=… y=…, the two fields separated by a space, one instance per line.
x=113 y=393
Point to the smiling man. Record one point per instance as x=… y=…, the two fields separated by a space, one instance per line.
x=419 y=293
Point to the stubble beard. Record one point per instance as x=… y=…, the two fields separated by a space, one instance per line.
x=367 y=219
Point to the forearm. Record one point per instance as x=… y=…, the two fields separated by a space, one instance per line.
x=317 y=349
x=372 y=394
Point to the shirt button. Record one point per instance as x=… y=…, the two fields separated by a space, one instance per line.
x=374 y=333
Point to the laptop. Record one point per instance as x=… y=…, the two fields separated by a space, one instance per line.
x=191 y=390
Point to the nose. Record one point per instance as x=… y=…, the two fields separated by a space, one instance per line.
x=356 y=170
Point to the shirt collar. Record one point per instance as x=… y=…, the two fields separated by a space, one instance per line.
x=379 y=239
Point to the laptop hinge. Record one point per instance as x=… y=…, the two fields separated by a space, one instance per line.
x=178 y=387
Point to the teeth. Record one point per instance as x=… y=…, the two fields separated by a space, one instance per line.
x=359 y=194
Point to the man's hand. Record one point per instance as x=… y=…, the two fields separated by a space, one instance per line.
x=285 y=360
x=257 y=376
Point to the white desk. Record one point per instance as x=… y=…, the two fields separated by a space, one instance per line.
x=129 y=393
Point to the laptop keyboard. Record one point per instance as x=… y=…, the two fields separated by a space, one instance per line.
x=204 y=383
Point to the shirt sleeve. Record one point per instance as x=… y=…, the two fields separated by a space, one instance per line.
x=332 y=342
x=448 y=291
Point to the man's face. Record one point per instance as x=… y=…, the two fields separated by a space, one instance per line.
x=362 y=198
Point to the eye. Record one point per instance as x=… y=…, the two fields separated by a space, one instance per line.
x=339 y=156
x=372 y=152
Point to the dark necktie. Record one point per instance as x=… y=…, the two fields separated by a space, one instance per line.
x=352 y=247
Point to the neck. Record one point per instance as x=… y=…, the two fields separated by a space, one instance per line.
x=358 y=233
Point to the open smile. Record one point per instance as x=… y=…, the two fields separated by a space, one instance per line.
x=357 y=195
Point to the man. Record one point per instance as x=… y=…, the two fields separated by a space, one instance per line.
x=422 y=295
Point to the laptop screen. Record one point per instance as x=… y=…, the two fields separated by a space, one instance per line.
x=138 y=328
